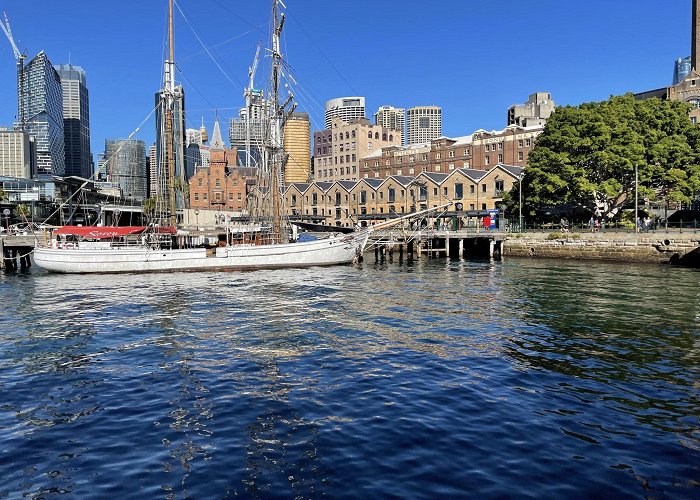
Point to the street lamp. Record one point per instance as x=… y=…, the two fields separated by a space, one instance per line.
x=636 y=198
x=520 y=201
x=196 y=214
x=6 y=213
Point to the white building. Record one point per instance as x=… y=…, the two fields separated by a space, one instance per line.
x=424 y=124
x=17 y=158
x=345 y=108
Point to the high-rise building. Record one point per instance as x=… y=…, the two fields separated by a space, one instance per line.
x=152 y=171
x=424 y=124
x=534 y=113
x=41 y=102
x=126 y=166
x=297 y=144
x=254 y=130
x=681 y=69
x=345 y=108
x=392 y=118
x=17 y=155
x=76 y=120
x=337 y=150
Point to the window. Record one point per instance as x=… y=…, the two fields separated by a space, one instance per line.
x=500 y=158
x=471 y=206
x=392 y=195
x=347 y=158
x=437 y=168
x=384 y=137
x=520 y=143
x=398 y=172
x=376 y=136
x=459 y=191
x=411 y=171
x=353 y=157
x=444 y=191
x=369 y=134
x=230 y=197
x=205 y=196
x=528 y=142
x=424 y=157
x=437 y=156
x=381 y=195
x=347 y=135
x=435 y=191
x=423 y=193
x=483 y=206
x=352 y=134
x=520 y=156
x=218 y=183
x=376 y=174
x=486 y=160
x=314 y=199
x=199 y=182
x=498 y=187
x=451 y=154
x=387 y=163
x=471 y=189
x=391 y=138
x=337 y=198
x=376 y=163
x=451 y=166
x=294 y=200
x=363 y=196
x=500 y=146
x=483 y=188
x=196 y=197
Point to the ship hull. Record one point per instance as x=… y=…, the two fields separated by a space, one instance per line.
x=330 y=251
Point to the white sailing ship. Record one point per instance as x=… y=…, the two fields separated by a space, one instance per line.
x=78 y=249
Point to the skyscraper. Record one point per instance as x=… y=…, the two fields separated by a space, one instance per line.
x=345 y=108
x=297 y=144
x=681 y=69
x=16 y=154
x=392 y=118
x=254 y=129
x=126 y=166
x=41 y=100
x=76 y=120
x=424 y=124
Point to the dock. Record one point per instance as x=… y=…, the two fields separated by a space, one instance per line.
x=16 y=252
x=439 y=243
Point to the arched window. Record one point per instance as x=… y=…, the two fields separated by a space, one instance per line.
x=376 y=135
x=384 y=137
x=369 y=134
x=199 y=182
x=353 y=134
x=347 y=135
x=391 y=138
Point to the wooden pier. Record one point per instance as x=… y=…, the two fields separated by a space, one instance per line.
x=16 y=252
x=438 y=244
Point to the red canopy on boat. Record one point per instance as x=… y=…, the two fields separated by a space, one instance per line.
x=104 y=233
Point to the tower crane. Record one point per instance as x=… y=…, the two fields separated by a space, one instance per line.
x=248 y=94
x=20 y=69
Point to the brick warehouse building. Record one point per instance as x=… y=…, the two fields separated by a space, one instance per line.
x=480 y=150
x=222 y=185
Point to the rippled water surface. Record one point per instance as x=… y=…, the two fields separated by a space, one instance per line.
x=542 y=379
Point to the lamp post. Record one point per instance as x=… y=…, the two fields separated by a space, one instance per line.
x=196 y=214
x=636 y=198
x=520 y=201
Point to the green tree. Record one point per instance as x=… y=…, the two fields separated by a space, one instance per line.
x=22 y=210
x=3 y=195
x=587 y=154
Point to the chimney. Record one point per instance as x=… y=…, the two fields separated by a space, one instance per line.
x=695 y=45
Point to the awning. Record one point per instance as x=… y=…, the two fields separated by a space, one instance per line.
x=105 y=233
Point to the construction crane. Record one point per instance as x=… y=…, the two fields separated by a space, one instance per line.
x=20 y=69
x=248 y=94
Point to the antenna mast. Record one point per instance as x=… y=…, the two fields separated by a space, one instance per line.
x=169 y=135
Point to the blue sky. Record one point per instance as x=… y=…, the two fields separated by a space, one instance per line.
x=474 y=58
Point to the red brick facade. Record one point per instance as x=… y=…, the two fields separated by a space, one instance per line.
x=222 y=185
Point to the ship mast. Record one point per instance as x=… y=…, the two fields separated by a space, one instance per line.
x=169 y=136
x=279 y=117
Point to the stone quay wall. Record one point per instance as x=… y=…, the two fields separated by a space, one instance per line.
x=656 y=247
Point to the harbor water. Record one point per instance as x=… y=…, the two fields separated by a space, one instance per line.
x=520 y=378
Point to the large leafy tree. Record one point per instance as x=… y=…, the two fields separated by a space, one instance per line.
x=587 y=154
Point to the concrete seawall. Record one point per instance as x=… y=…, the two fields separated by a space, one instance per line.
x=660 y=248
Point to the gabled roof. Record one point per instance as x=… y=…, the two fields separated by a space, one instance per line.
x=216 y=143
x=347 y=185
x=511 y=169
x=300 y=186
x=435 y=176
x=375 y=183
x=472 y=173
x=402 y=179
x=324 y=186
